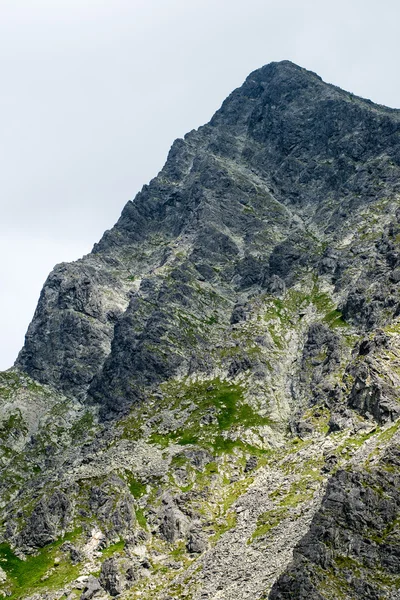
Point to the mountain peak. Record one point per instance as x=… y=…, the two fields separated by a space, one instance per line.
x=284 y=132
x=282 y=67
x=276 y=84
x=207 y=404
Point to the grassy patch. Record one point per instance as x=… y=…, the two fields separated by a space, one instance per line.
x=137 y=488
x=111 y=550
x=14 y=425
x=286 y=500
x=12 y=381
x=229 y=522
x=388 y=433
x=335 y=319
x=354 y=442
x=224 y=402
x=141 y=519
x=267 y=521
x=82 y=426
x=27 y=576
x=281 y=312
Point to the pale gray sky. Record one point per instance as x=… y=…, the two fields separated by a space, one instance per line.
x=93 y=93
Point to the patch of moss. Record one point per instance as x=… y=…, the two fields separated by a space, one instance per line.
x=160 y=439
x=131 y=426
x=179 y=460
x=346 y=562
x=137 y=488
x=10 y=381
x=319 y=417
x=224 y=401
x=179 y=550
x=229 y=522
x=393 y=327
x=28 y=576
x=111 y=550
x=82 y=426
x=212 y=320
x=334 y=319
x=354 y=442
x=389 y=432
x=141 y=519
x=267 y=521
x=14 y=425
x=281 y=313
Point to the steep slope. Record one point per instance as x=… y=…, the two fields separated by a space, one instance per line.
x=282 y=172
x=195 y=394
x=352 y=547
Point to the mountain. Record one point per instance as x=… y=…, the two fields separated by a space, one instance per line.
x=206 y=406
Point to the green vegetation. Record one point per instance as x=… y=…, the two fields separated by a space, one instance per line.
x=267 y=521
x=223 y=405
x=389 y=432
x=319 y=417
x=9 y=383
x=228 y=522
x=334 y=319
x=13 y=425
x=179 y=460
x=38 y=571
x=131 y=426
x=299 y=492
x=82 y=426
x=137 y=488
x=222 y=445
x=324 y=304
x=393 y=327
x=283 y=311
x=12 y=381
x=141 y=519
x=352 y=443
x=117 y=547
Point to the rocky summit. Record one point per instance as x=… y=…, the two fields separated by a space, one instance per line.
x=207 y=406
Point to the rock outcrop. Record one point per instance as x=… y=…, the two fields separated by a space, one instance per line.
x=206 y=406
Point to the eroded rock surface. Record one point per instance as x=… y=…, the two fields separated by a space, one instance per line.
x=206 y=405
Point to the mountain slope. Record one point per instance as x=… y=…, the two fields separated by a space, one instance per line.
x=222 y=365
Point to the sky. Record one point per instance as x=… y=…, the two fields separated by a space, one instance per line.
x=93 y=93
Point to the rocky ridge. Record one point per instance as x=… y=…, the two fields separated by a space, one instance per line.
x=206 y=405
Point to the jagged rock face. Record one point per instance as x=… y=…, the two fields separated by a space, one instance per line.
x=282 y=169
x=352 y=547
x=72 y=328
x=206 y=406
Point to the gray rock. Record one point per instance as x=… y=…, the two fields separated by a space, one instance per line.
x=110 y=577
x=251 y=464
x=49 y=517
x=349 y=540
x=196 y=542
x=173 y=523
x=76 y=556
x=85 y=335
x=92 y=588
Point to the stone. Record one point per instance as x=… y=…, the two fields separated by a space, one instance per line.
x=92 y=588
x=173 y=523
x=196 y=541
x=251 y=464
x=110 y=578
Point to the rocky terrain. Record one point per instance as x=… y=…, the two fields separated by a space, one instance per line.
x=206 y=406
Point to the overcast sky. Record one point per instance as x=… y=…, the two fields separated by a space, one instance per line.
x=94 y=92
